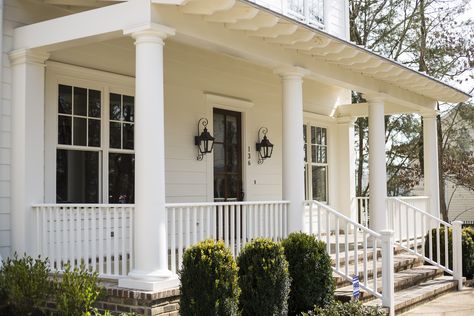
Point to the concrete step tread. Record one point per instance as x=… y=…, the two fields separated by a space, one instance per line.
x=402 y=280
x=401 y=262
x=417 y=294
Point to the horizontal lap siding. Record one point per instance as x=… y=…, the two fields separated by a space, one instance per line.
x=15 y=13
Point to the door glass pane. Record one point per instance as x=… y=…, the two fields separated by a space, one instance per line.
x=64 y=130
x=219 y=127
x=319 y=183
x=94 y=103
x=219 y=158
x=80 y=101
x=121 y=178
x=65 y=99
x=115 y=107
x=219 y=187
x=94 y=133
x=77 y=176
x=128 y=108
x=233 y=187
x=80 y=131
x=231 y=129
x=233 y=159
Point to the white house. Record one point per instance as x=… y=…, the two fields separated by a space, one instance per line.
x=102 y=101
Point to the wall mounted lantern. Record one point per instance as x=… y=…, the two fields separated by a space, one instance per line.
x=264 y=147
x=204 y=140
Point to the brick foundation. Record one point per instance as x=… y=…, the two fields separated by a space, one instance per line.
x=120 y=300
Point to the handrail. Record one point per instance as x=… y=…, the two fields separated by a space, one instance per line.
x=198 y=204
x=419 y=211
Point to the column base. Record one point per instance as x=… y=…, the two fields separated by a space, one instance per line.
x=156 y=281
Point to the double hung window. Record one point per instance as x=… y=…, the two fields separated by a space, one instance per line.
x=316 y=162
x=95 y=160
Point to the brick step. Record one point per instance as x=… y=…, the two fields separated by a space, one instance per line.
x=413 y=296
x=402 y=280
x=402 y=262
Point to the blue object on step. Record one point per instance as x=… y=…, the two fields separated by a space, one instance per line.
x=355 y=287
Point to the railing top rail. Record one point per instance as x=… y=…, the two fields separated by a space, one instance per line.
x=411 y=197
x=361 y=227
x=83 y=205
x=199 y=204
x=420 y=211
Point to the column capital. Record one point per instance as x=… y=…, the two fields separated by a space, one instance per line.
x=346 y=120
x=291 y=72
x=28 y=56
x=428 y=113
x=375 y=98
x=150 y=32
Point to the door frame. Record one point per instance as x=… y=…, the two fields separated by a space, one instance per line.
x=235 y=104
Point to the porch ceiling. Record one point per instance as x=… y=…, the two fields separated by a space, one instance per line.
x=247 y=30
x=277 y=29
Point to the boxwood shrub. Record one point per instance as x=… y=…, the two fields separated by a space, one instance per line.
x=208 y=280
x=310 y=271
x=467 y=249
x=263 y=279
x=352 y=308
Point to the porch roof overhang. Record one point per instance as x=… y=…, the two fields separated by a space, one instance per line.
x=244 y=29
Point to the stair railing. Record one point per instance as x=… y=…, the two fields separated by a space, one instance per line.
x=425 y=235
x=339 y=232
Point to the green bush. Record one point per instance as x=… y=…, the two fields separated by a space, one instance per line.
x=76 y=291
x=263 y=279
x=208 y=280
x=25 y=284
x=467 y=249
x=352 y=308
x=310 y=271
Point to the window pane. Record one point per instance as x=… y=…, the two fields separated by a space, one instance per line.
x=115 y=135
x=127 y=136
x=314 y=153
x=313 y=135
x=64 y=130
x=219 y=127
x=323 y=154
x=64 y=99
x=115 y=110
x=305 y=146
x=121 y=178
x=94 y=133
x=80 y=131
x=77 y=176
x=94 y=103
x=128 y=108
x=323 y=136
x=80 y=101
x=319 y=183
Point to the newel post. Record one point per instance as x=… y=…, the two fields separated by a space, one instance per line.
x=457 y=253
x=388 y=289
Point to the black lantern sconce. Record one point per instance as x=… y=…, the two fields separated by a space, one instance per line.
x=264 y=147
x=204 y=140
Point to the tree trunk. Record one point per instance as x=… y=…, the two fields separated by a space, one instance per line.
x=442 y=183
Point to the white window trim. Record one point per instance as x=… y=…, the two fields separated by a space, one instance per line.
x=106 y=83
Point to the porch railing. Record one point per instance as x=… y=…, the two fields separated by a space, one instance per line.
x=426 y=236
x=98 y=235
x=348 y=241
x=101 y=235
x=236 y=223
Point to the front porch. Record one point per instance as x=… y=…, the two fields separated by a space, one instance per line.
x=108 y=115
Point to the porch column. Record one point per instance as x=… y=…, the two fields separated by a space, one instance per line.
x=430 y=153
x=293 y=154
x=150 y=270
x=27 y=153
x=346 y=167
x=377 y=165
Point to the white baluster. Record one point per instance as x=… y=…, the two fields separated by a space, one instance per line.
x=173 y=238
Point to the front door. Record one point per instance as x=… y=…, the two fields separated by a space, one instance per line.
x=227 y=156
